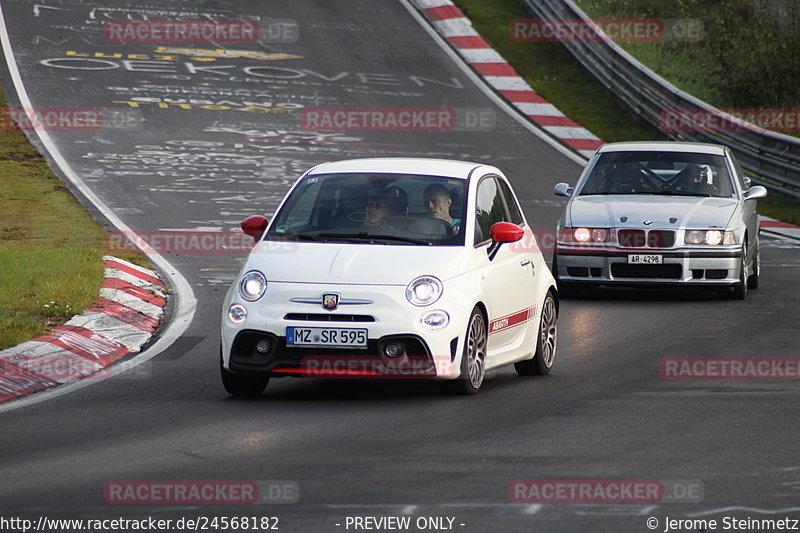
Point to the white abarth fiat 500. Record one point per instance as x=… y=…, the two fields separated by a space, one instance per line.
x=390 y=268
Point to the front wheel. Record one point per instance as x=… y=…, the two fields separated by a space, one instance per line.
x=239 y=385
x=753 y=279
x=739 y=291
x=546 y=342
x=473 y=359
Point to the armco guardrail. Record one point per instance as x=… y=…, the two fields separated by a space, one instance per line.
x=773 y=159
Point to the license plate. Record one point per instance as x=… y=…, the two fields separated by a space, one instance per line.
x=326 y=337
x=643 y=259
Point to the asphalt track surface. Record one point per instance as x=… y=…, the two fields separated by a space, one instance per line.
x=364 y=448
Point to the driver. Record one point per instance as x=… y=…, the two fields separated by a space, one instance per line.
x=626 y=177
x=437 y=200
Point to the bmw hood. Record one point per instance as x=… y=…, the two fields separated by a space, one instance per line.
x=687 y=212
x=360 y=264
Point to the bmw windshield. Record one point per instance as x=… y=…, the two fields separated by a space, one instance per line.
x=663 y=173
x=373 y=209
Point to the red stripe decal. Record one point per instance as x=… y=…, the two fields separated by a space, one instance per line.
x=509 y=321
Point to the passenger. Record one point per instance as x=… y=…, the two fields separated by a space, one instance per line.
x=378 y=208
x=437 y=200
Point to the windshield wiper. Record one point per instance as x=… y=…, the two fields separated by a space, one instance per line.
x=372 y=236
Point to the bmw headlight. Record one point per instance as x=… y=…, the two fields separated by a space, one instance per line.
x=253 y=286
x=424 y=291
x=711 y=237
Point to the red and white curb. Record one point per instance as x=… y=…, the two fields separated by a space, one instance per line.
x=457 y=29
x=131 y=304
x=777 y=227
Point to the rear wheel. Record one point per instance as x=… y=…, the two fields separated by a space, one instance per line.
x=473 y=360
x=546 y=342
x=239 y=385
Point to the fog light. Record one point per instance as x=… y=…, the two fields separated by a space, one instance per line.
x=263 y=346
x=237 y=313
x=435 y=320
x=393 y=349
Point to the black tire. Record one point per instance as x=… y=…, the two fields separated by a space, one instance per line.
x=739 y=291
x=566 y=290
x=546 y=342
x=754 y=278
x=473 y=358
x=239 y=385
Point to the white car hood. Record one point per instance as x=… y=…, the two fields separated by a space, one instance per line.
x=689 y=212
x=367 y=264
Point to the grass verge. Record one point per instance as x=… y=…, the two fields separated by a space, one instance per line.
x=51 y=250
x=553 y=72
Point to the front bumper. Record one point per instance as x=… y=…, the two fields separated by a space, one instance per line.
x=388 y=318
x=691 y=266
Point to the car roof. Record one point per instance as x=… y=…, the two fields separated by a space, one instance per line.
x=448 y=168
x=663 y=146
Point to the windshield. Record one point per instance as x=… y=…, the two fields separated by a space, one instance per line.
x=667 y=173
x=373 y=208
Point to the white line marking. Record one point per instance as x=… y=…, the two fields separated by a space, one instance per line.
x=185 y=301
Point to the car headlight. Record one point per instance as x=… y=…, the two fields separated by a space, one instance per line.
x=711 y=237
x=424 y=291
x=253 y=286
x=585 y=235
x=435 y=320
x=237 y=313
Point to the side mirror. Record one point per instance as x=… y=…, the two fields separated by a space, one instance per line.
x=506 y=232
x=563 y=189
x=754 y=193
x=255 y=226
